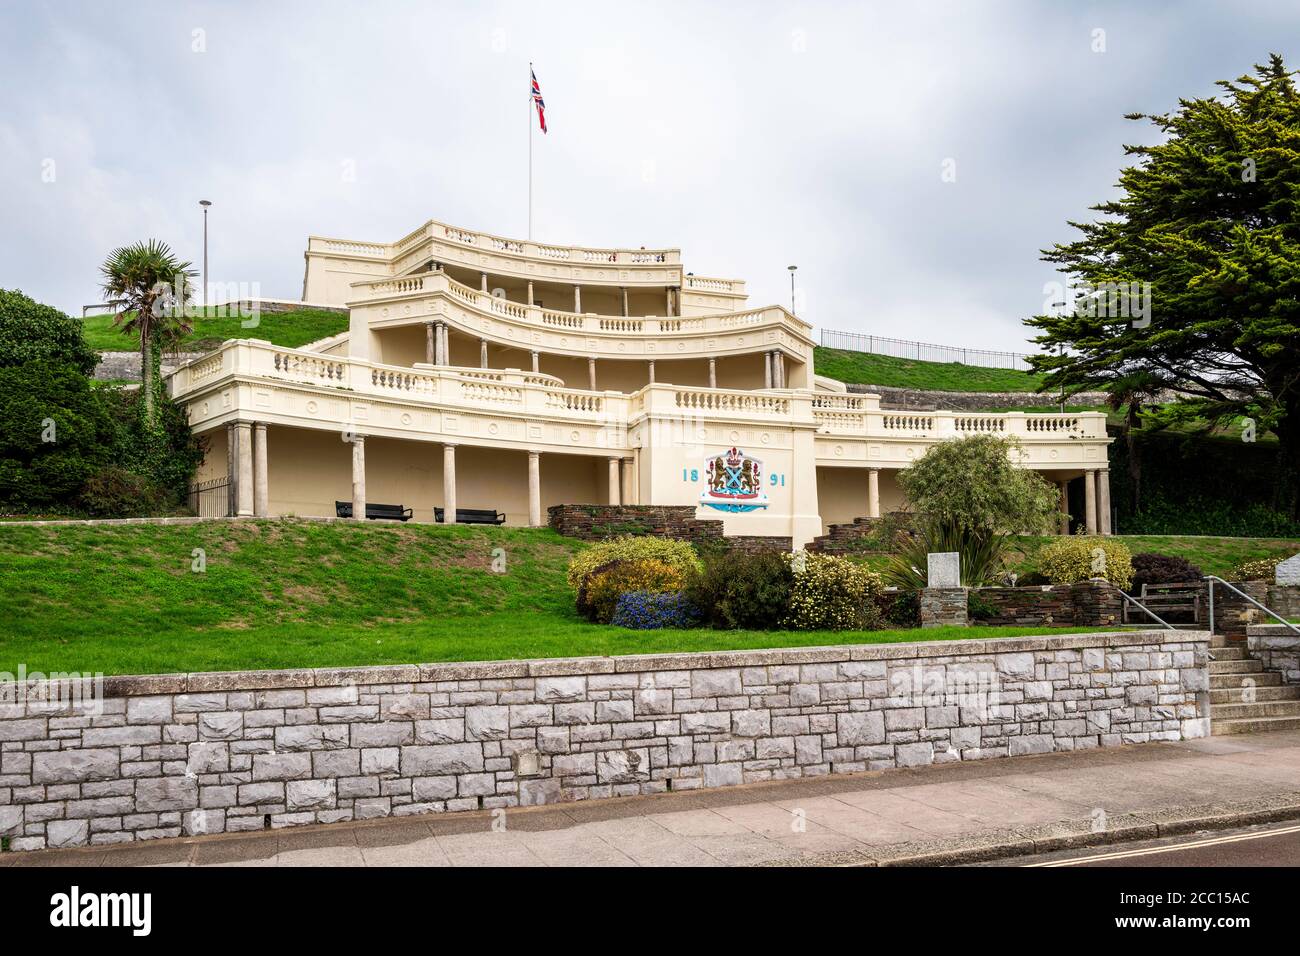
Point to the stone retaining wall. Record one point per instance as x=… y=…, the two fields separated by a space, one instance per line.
x=175 y=755
x=598 y=522
x=1277 y=647
x=1086 y=604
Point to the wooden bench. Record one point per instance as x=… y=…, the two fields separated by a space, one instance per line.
x=1164 y=598
x=375 y=512
x=471 y=516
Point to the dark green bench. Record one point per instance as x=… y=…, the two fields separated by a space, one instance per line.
x=471 y=516
x=375 y=512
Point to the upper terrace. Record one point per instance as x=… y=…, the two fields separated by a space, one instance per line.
x=644 y=278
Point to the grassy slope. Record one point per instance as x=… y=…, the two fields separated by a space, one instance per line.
x=863 y=367
x=290 y=329
x=122 y=599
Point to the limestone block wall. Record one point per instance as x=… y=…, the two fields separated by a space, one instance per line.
x=1277 y=647
x=176 y=755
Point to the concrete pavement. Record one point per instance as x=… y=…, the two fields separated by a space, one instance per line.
x=947 y=813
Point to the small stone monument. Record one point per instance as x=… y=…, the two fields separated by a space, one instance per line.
x=1288 y=571
x=944 y=569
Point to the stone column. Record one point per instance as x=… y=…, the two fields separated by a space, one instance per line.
x=628 y=496
x=623 y=289
x=443 y=341
x=232 y=469
x=577 y=298
x=613 y=482
x=1103 y=499
x=483 y=281
x=1064 y=523
x=670 y=304
x=767 y=369
x=535 y=360
x=1090 y=500
x=534 y=489
x=482 y=353
x=530 y=291
x=591 y=374
x=873 y=492
x=780 y=369
x=359 y=477
x=449 y=484
x=652 y=372
x=430 y=346
x=261 y=493
x=244 y=464
x=713 y=372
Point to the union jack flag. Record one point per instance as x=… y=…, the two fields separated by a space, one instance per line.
x=537 y=100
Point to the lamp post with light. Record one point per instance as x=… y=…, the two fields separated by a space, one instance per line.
x=205 y=204
x=792 y=271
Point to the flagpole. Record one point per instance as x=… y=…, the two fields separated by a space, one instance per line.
x=530 y=152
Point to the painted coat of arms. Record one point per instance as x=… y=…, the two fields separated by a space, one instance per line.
x=735 y=482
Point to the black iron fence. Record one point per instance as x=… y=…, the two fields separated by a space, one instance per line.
x=212 y=498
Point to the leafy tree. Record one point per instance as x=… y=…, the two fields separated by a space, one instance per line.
x=32 y=332
x=971 y=483
x=154 y=287
x=1209 y=218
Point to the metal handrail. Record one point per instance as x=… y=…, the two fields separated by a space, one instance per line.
x=1214 y=577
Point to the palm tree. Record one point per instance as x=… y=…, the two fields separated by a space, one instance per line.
x=153 y=287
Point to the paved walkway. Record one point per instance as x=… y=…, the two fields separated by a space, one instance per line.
x=1023 y=804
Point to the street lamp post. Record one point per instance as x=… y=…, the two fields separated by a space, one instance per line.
x=205 y=204
x=792 y=271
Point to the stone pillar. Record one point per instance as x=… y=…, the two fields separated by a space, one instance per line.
x=670 y=305
x=1064 y=523
x=713 y=372
x=530 y=291
x=873 y=492
x=591 y=374
x=652 y=372
x=534 y=489
x=535 y=362
x=941 y=607
x=483 y=281
x=232 y=469
x=244 y=466
x=449 y=484
x=613 y=482
x=359 y=477
x=430 y=346
x=779 y=358
x=577 y=298
x=623 y=289
x=767 y=369
x=482 y=353
x=628 y=496
x=261 y=493
x=1090 y=500
x=1103 y=500
x=441 y=344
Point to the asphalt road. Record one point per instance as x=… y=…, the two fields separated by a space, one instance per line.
x=1276 y=844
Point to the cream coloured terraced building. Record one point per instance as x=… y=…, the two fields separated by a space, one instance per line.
x=490 y=373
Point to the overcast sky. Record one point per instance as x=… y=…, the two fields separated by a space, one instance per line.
x=751 y=135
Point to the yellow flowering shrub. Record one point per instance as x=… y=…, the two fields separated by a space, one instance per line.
x=678 y=554
x=1264 y=569
x=600 y=590
x=832 y=594
x=1070 y=559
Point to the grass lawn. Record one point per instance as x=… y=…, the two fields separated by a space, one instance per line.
x=1212 y=555
x=866 y=368
x=289 y=329
x=123 y=599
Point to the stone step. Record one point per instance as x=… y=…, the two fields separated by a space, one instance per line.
x=1259 y=679
x=1235 y=667
x=1229 y=653
x=1260 y=708
x=1233 y=695
x=1253 y=725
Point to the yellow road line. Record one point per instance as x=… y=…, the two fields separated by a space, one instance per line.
x=1211 y=841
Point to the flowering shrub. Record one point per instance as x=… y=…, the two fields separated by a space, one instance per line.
x=1261 y=570
x=601 y=589
x=1070 y=559
x=646 y=610
x=739 y=590
x=677 y=554
x=831 y=594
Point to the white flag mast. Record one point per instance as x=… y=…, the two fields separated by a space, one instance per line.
x=534 y=100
